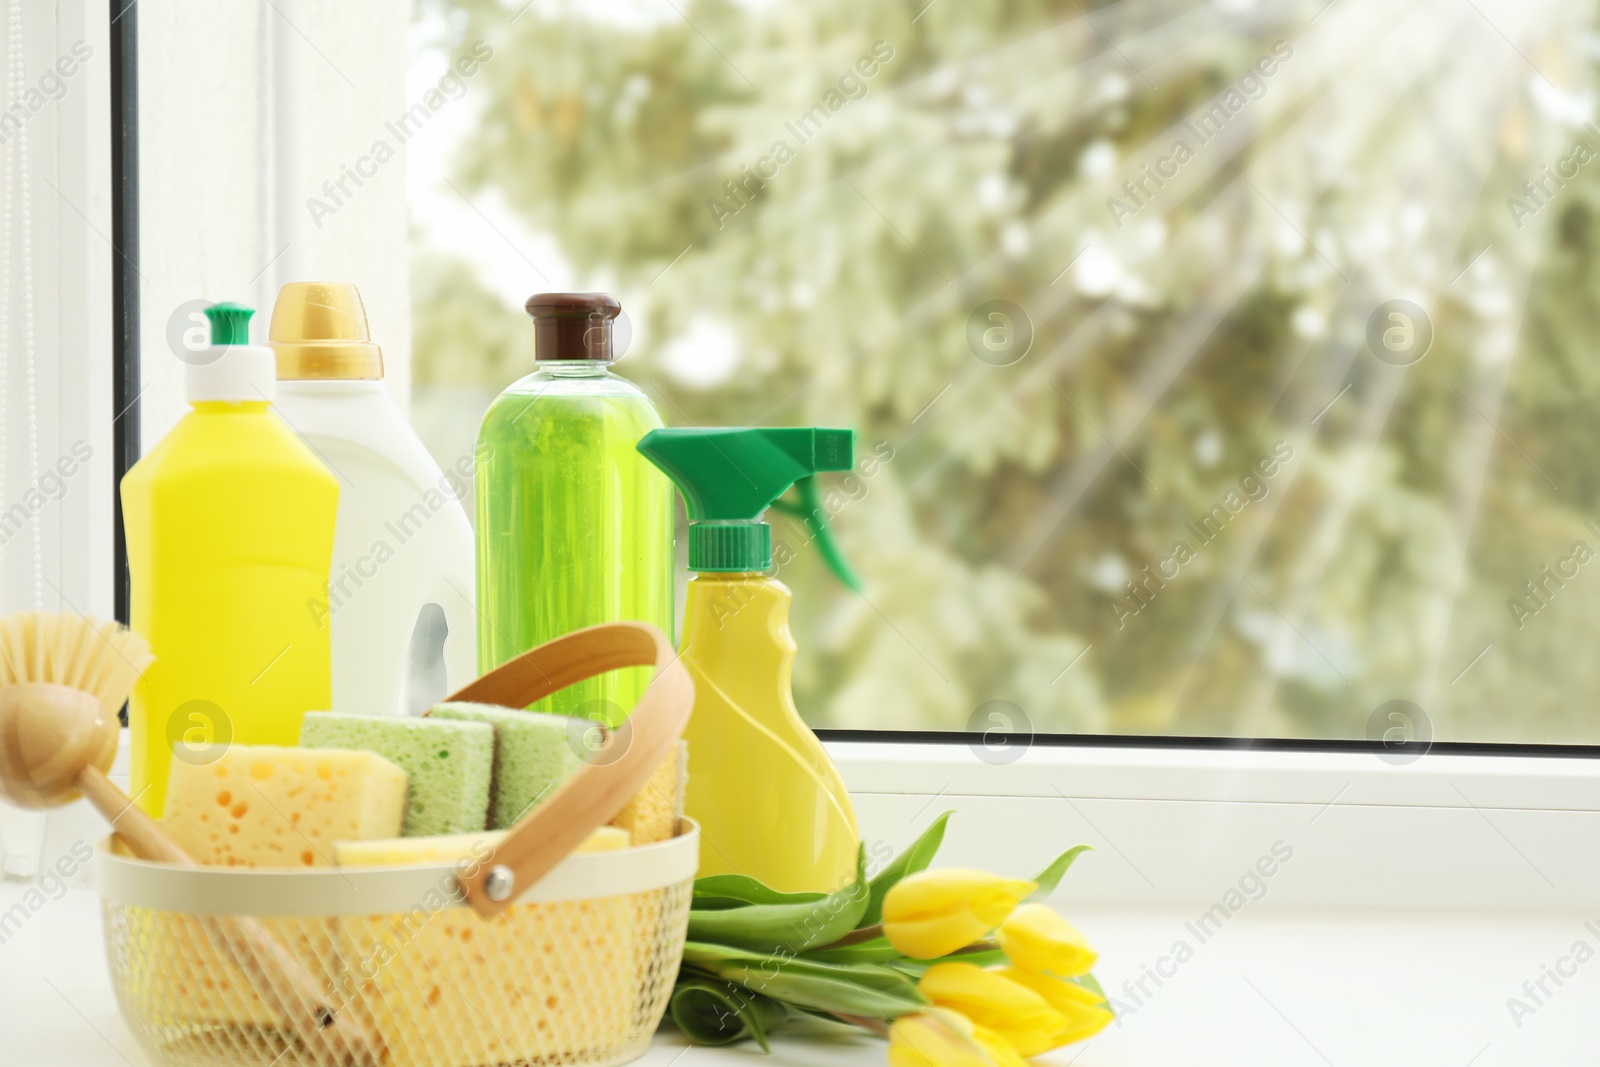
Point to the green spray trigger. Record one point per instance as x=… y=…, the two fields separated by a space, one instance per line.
x=729 y=477
x=809 y=510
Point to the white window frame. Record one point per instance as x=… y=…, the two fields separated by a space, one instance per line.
x=1178 y=825
x=1170 y=823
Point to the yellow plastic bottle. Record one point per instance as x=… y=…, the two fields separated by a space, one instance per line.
x=769 y=801
x=229 y=524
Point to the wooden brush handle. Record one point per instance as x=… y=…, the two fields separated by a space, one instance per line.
x=273 y=972
x=144 y=837
x=609 y=778
x=278 y=978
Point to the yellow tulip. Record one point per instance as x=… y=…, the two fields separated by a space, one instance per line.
x=999 y=1050
x=938 y=1038
x=1084 y=1010
x=941 y=1038
x=1011 y=1010
x=934 y=913
x=1035 y=938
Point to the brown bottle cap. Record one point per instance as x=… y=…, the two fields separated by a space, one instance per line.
x=319 y=331
x=572 y=325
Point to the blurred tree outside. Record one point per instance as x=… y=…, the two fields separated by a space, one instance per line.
x=1201 y=372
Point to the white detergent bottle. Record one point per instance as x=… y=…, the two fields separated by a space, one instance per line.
x=400 y=592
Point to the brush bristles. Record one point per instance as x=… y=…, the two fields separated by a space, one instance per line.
x=93 y=655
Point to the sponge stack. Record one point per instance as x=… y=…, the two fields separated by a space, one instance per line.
x=448 y=763
x=533 y=753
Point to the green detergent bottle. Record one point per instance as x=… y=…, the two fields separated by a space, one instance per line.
x=574 y=526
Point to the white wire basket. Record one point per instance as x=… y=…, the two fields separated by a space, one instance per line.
x=526 y=953
x=577 y=971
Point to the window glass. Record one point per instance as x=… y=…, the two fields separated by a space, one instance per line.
x=1218 y=368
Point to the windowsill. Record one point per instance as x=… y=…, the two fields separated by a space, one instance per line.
x=1270 y=989
x=1405 y=919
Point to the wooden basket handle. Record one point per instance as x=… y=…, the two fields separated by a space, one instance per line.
x=609 y=778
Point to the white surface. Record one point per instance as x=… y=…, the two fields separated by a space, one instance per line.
x=402 y=541
x=1395 y=988
x=1174 y=826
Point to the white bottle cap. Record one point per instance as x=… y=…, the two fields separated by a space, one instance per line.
x=232 y=369
x=237 y=373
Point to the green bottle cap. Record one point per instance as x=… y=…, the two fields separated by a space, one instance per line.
x=230 y=323
x=729 y=477
x=730 y=547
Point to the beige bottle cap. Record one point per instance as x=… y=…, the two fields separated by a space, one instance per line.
x=319 y=331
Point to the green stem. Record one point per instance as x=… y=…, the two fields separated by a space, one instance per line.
x=855 y=937
x=876 y=1026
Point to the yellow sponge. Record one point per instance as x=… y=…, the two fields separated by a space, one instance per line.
x=261 y=807
x=451 y=848
x=652 y=814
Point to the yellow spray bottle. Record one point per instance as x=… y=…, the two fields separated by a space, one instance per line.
x=229 y=521
x=768 y=800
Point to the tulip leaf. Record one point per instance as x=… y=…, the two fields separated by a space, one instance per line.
x=784 y=928
x=714 y=1012
x=859 y=989
x=877 y=950
x=873 y=992
x=913 y=858
x=1050 y=877
x=737 y=890
x=707 y=957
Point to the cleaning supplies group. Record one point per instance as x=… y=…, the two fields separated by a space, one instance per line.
x=242 y=516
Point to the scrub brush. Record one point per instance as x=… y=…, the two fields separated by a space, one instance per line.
x=62 y=679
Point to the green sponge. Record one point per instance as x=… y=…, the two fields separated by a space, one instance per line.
x=534 y=752
x=447 y=764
